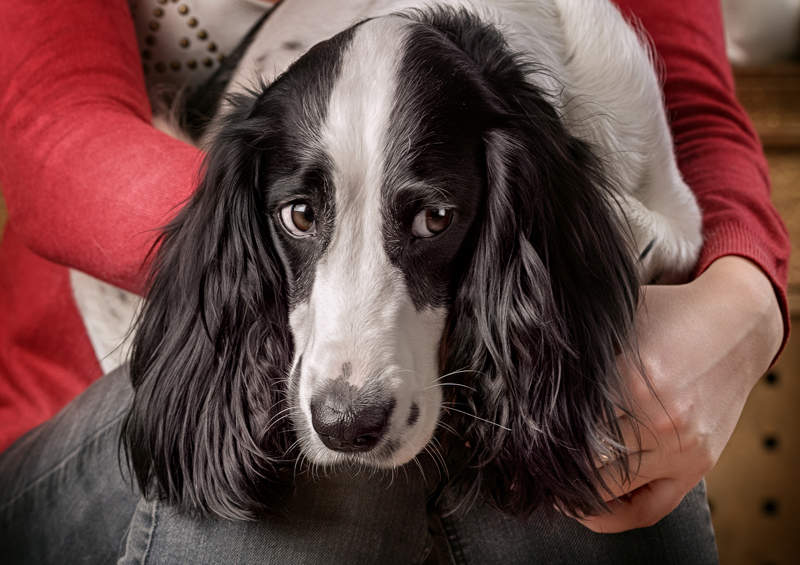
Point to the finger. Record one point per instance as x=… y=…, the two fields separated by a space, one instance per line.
x=644 y=507
x=636 y=438
x=642 y=468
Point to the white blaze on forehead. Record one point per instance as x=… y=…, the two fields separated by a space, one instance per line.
x=360 y=106
x=358 y=297
x=359 y=111
x=359 y=311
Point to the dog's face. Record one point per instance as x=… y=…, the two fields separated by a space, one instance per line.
x=403 y=186
x=370 y=211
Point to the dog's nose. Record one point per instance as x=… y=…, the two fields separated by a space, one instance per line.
x=348 y=421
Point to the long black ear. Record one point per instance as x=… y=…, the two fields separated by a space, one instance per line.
x=212 y=344
x=547 y=303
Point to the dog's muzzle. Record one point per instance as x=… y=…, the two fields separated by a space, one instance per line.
x=350 y=419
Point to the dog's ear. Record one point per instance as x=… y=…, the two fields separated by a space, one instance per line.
x=547 y=304
x=212 y=344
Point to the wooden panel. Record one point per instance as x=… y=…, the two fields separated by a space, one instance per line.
x=753 y=489
x=784 y=165
x=771 y=96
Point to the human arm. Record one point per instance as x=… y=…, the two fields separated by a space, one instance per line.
x=704 y=344
x=87 y=180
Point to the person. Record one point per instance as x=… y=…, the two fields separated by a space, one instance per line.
x=87 y=180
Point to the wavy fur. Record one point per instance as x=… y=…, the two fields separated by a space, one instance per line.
x=544 y=307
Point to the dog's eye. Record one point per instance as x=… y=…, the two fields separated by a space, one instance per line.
x=431 y=221
x=298 y=219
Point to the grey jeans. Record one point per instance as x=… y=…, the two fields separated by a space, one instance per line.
x=65 y=497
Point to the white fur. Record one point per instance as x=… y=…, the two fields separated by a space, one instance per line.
x=614 y=102
x=360 y=311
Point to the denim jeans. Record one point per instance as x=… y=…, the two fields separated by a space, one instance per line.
x=66 y=497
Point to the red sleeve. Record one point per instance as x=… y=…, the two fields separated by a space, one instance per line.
x=719 y=153
x=86 y=178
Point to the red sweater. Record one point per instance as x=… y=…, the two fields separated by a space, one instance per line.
x=87 y=179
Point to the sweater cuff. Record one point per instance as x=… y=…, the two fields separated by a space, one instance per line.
x=734 y=238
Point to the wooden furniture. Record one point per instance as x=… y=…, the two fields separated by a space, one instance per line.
x=754 y=489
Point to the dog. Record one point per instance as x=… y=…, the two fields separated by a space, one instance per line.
x=420 y=225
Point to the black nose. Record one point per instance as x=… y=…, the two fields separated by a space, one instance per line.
x=349 y=419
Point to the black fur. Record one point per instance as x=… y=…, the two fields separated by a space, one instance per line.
x=212 y=344
x=548 y=300
x=441 y=112
x=542 y=293
x=207 y=365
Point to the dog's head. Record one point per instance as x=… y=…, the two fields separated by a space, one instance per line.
x=401 y=214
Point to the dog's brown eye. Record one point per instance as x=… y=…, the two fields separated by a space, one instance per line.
x=432 y=221
x=298 y=219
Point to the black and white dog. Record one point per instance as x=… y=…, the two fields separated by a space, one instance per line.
x=441 y=214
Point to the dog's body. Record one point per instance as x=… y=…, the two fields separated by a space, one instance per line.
x=475 y=187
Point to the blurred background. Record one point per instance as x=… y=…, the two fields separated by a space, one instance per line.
x=754 y=490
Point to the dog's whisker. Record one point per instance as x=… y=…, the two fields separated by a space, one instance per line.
x=431 y=452
x=459 y=372
x=298 y=461
x=313 y=468
x=277 y=414
x=448 y=428
x=437 y=449
x=405 y=472
x=391 y=478
x=502 y=427
x=276 y=422
x=473 y=389
x=419 y=466
x=294 y=444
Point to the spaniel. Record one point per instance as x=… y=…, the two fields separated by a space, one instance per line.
x=423 y=230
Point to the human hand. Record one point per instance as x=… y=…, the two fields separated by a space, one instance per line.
x=704 y=345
